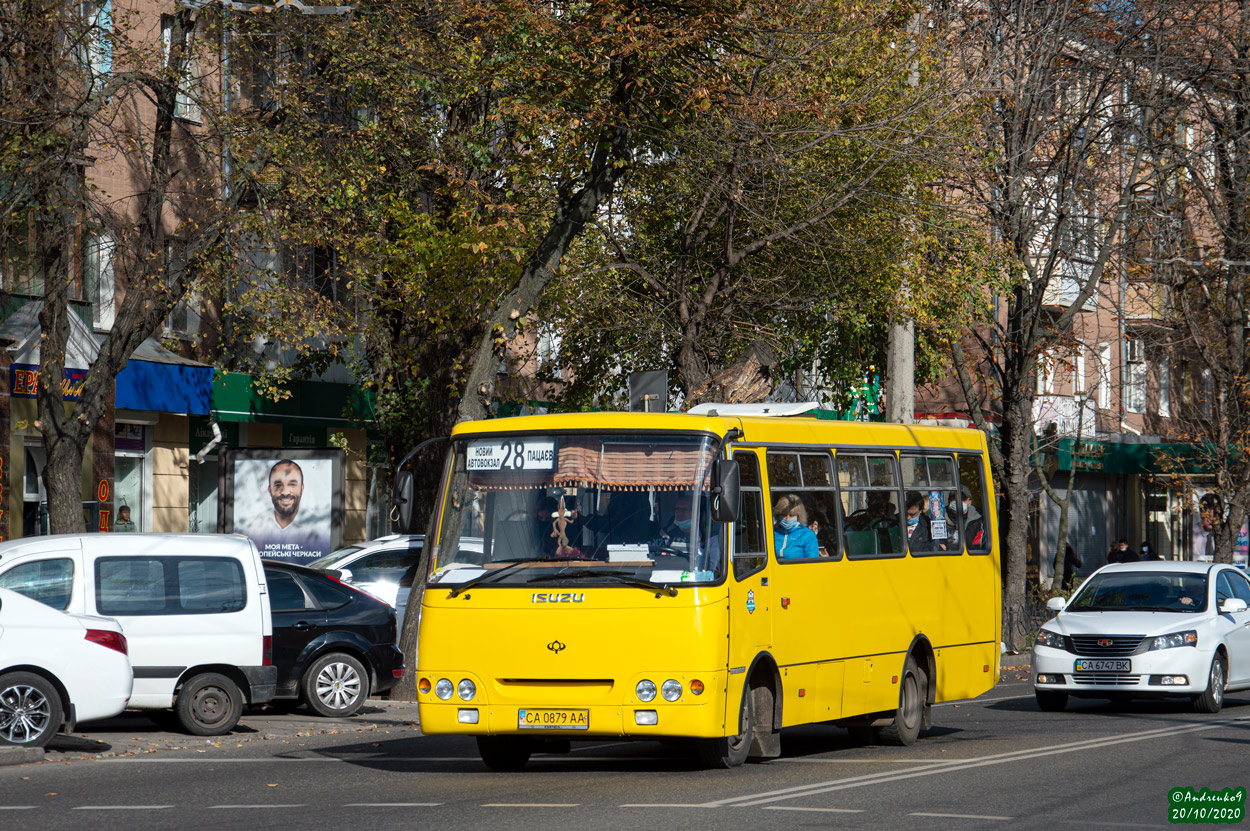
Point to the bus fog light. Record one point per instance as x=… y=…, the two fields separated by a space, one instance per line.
x=466 y=690
x=645 y=691
x=646 y=717
x=467 y=715
x=696 y=687
x=424 y=686
x=671 y=690
x=443 y=689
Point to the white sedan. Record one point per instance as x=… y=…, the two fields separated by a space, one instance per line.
x=1147 y=630
x=57 y=669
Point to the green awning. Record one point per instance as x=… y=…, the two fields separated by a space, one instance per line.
x=1134 y=458
x=311 y=403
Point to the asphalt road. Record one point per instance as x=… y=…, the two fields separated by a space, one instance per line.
x=996 y=762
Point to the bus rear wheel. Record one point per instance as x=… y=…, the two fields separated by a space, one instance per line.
x=730 y=751
x=905 y=727
x=504 y=753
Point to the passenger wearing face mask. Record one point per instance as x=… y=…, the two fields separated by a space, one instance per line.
x=792 y=538
x=918 y=536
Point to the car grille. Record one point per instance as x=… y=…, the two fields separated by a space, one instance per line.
x=1119 y=645
x=1106 y=679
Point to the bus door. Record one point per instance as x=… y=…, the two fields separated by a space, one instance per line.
x=750 y=595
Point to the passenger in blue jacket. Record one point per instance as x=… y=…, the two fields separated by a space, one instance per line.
x=792 y=538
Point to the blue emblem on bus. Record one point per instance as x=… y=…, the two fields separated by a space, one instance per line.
x=750 y=602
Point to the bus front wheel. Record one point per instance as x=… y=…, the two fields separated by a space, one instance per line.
x=730 y=751
x=905 y=727
x=504 y=753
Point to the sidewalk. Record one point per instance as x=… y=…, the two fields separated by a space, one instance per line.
x=134 y=734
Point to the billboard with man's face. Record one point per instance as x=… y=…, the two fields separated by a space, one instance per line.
x=289 y=502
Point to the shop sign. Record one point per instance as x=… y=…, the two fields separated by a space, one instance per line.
x=310 y=437
x=24 y=382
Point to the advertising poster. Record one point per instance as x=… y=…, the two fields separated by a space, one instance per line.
x=289 y=502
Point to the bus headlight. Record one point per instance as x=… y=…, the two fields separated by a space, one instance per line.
x=443 y=689
x=645 y=690
x=671 y=690
x=466 y=690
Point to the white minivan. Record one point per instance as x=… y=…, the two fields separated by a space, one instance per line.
x=194 y=609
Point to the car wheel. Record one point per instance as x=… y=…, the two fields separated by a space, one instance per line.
x=209 y=705
x=335 y=685
x=30 y=710
x=730 y=751
x=504 y=753
x=905 y=727
x=1050 y=701
x=1213 y=699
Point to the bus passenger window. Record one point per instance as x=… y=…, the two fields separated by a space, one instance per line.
x=748 y=535
x=807 y=477
x=930 y=486
x=972 y=504
x=871 y=520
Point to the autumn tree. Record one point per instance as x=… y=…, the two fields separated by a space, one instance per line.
x=789 y=214
x=89 y=85
x=1051 y=172
x=1194 y=222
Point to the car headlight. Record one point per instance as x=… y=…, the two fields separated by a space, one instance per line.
x=1052 y=639
x=1187 y=638
x=466 y=690
x=671 y=690
x=444 y=688
x=645 y=690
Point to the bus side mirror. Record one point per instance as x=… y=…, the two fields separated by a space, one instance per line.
x=725 y=496
x=401 y=499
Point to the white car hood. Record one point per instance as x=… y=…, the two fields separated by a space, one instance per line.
x=1124 y=623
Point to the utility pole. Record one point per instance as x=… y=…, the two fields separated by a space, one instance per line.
x=900 y=372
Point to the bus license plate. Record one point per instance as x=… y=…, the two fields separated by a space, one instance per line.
x=1103 y=665
x=553 y=719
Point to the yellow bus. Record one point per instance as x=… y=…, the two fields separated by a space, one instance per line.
x=714 y=576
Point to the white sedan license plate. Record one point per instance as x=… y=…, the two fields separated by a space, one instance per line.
x=553 y=719
x=1103 y=665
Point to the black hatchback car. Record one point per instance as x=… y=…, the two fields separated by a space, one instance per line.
x=333 y=645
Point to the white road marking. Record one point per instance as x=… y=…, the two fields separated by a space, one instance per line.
x=868 y=761
x=17 y=807
x=121 y=807
x=664 y=805
x=301 y=805
x=392 y=804
x=212 y=760
x=530 y=804
x=975 y=762
x=820 y=810
x=956 y=816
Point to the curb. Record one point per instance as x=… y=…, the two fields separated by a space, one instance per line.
x=20 y=755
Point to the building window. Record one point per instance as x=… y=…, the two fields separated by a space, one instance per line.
x=1135 y=376
x=187 y=104
x=1208 y=392
x=1104 y=376
x=1078 y=379
x=1165 y=388
x=98 y=277
x=97 y=44
x=130 y=488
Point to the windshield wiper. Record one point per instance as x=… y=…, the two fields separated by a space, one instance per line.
x=621 y=576
x=511 y=564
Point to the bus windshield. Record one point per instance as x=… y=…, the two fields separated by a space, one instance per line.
x=579 y=509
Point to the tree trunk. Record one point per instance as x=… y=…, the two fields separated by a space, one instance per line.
x=1017 y=443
